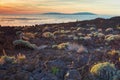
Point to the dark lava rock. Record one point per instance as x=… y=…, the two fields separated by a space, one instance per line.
x=73 y=75
x=45 y=76
x=56 y=63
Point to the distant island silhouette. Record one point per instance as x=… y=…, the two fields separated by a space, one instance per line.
x=78 y=13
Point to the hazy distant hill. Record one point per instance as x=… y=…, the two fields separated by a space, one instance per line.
x=53 y=13
x=84 y=13
x=79 y=13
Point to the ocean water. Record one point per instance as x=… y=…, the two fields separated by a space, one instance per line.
x=22 y=20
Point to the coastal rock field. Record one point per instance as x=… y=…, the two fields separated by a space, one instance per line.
x=82 y=50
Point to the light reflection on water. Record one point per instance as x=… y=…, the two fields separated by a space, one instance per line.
x=22 y=20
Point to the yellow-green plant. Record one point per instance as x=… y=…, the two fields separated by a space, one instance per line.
x=7 y=59
x=114 y=52
x=103 y=71
x=62 y=45
x=112 y=37
x=55 y=70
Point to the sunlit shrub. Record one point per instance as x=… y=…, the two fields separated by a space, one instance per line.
x=62 y=45
x=81 y=38
x=87 y=38
x=92 y=28
x=82 y=49
x=109 y=30
x=70 y=36
x=64 y=31
x=29 y=35
x=48 y=35
x=75 y=38
x=24 y=44
x=56 y=32
x=114 y=52
x=7 y=59
x=95 y=34
x=112 y=38
x=118 y=27
x=100 y=35
x=21 y=57
x=78 y=28
x=103 y=71
x=79 y=34
x=54 y=46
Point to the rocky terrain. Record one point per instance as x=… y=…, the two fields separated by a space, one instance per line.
x=82 y=50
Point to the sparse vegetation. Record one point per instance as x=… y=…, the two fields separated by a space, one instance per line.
x=22 y=43
x=7 y=59
x=65 y=51
x=62 y=45
x=21 y=57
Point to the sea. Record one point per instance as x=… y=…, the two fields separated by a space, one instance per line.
x=26 y=20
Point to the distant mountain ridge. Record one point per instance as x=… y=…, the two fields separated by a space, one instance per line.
x=79 y=13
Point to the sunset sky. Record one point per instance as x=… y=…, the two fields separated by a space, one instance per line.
x=111 y=7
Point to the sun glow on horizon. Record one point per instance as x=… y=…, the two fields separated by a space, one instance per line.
x=64 y=6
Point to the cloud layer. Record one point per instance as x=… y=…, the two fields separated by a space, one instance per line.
x=67 y=6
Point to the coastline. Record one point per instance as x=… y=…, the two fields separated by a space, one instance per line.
x=91 y=21
x=51 y=51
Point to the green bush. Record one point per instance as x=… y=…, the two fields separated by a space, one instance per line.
x=103 y=71
x=55 y=70
x=24 y=43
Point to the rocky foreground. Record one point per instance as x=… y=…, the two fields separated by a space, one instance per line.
x=83 y=50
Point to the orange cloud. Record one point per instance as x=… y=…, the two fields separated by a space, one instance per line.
x=22 y=9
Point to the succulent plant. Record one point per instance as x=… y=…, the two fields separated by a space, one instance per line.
x=104 y=71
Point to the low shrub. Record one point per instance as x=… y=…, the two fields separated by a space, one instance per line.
x=29 y=35
x=110 y=38
x=21 y=57
x=7 y=59
x=103 y=71
x=26 y=44
x=92 y=28
x=18 y=33
x=62 y=45
x=48 y=35
x=109 y=29
x=114 y=52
